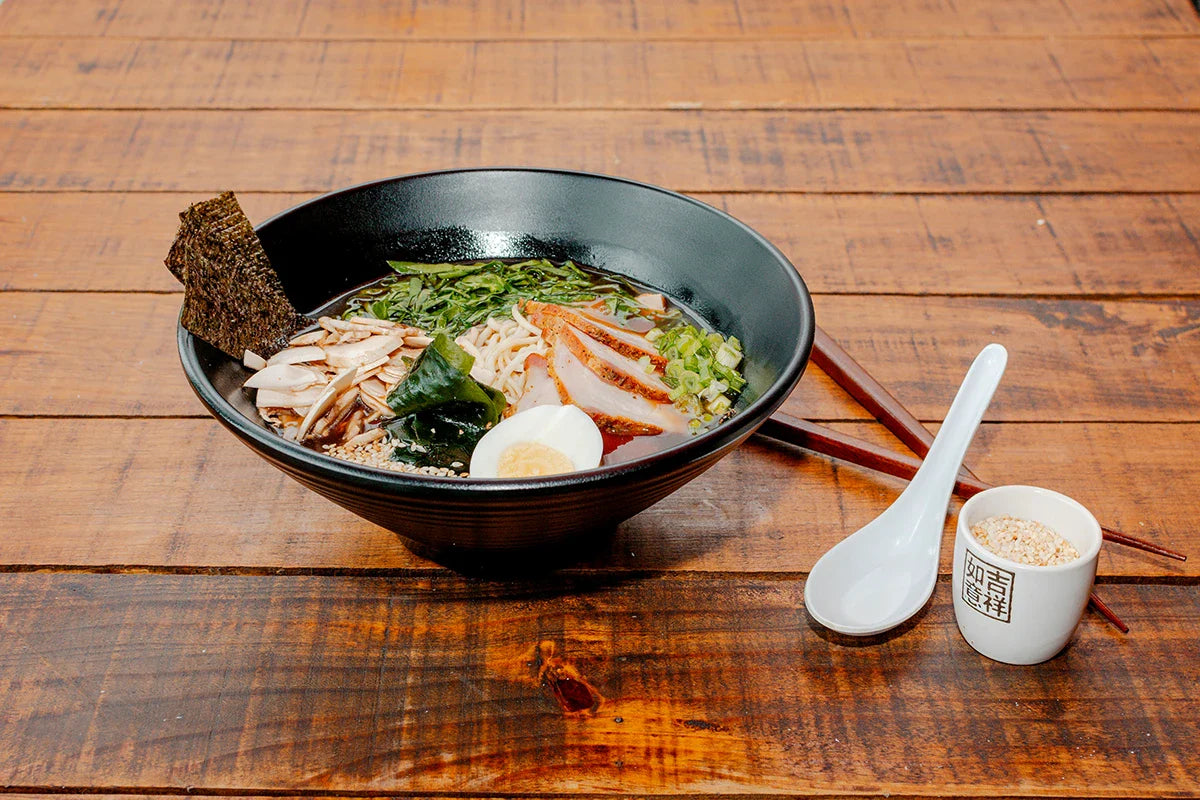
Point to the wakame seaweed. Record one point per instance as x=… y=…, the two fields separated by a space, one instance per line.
x=451 y=298
x=441 y=411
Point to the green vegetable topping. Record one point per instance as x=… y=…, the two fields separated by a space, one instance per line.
x=441 y=411
x=701 y=369
x=450 y=298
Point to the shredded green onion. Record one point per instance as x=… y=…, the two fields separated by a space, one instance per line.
x=450 y=298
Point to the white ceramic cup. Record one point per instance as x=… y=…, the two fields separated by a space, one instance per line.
x=1013 y=612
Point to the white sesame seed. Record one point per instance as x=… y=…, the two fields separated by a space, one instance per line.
x=378 y=454
x=1024 y=541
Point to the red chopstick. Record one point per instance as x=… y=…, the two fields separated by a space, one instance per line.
x=872 y=395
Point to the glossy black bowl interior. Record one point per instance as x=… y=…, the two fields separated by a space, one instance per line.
x=720 y=269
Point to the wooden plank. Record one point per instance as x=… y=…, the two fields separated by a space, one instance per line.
x=1171 y=55
x=579 y=19
x=1096 y=71
x=104 y=354
x=686 y=150
x=987 y=73
x=101 y=241
x=185 y=495
x=702 y=684
x=1085 y=360
x=1070 y=360
x=978 y=17
x=948 y=244
x=860 y=244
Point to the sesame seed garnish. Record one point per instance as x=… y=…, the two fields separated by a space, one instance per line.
x=1024 y=541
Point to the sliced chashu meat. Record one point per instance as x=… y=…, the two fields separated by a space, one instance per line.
x=626 y=342
x=612 y=408
x=614 y=367
x=540 y=388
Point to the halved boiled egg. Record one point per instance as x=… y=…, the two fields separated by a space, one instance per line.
x=543 y=440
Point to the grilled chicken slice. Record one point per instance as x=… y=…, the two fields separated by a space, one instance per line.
x=614 y=367
x=614 y=409
x=626 y=342
x=540 y=388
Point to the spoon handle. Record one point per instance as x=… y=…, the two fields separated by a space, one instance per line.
x=931 y=487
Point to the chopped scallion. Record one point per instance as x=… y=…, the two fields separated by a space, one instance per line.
x=701 y=369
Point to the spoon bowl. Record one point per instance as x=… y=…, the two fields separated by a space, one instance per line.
x=879 y=576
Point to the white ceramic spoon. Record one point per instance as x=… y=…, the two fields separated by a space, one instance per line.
x=882 y=574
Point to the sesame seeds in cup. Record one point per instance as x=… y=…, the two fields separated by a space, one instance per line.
x=1024 y=541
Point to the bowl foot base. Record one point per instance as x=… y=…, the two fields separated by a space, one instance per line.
x=591 y=546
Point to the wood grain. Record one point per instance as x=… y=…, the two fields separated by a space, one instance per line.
x=987 y=73
x=1106 y=360
x=708 y=684
x=101 y=241
x=949 y=244
x=845 y=244
x=183 y=494
x=1058 y=244
x=1070 y=360
x=685 y=150
x=580 y=19
x=943 y=172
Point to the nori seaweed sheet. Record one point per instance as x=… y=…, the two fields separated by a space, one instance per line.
x=232 y=296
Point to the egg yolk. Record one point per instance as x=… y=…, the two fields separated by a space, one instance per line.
x=531 y=459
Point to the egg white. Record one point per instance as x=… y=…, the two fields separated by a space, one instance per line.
x=566 y=429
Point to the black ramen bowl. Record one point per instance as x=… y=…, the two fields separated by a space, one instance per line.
x=724 y=272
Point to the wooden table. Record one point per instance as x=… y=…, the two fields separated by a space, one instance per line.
x=176 y=616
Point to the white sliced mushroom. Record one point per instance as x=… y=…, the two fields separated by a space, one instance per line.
x=325 y=400
x=365 y=438
x=284 y=376
x=253 y=361
x=373 y=322
x=354 y=336
x=335 y=325
x=297 y=355
x=417 y=340
x=357 y=354
x=374 y=387
x=312 y=337
x=373 y=365
x=355 y=425
x=376 y=403
x=405 y=356
x=278 y=398
x=393 y=374
x=343 y=401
